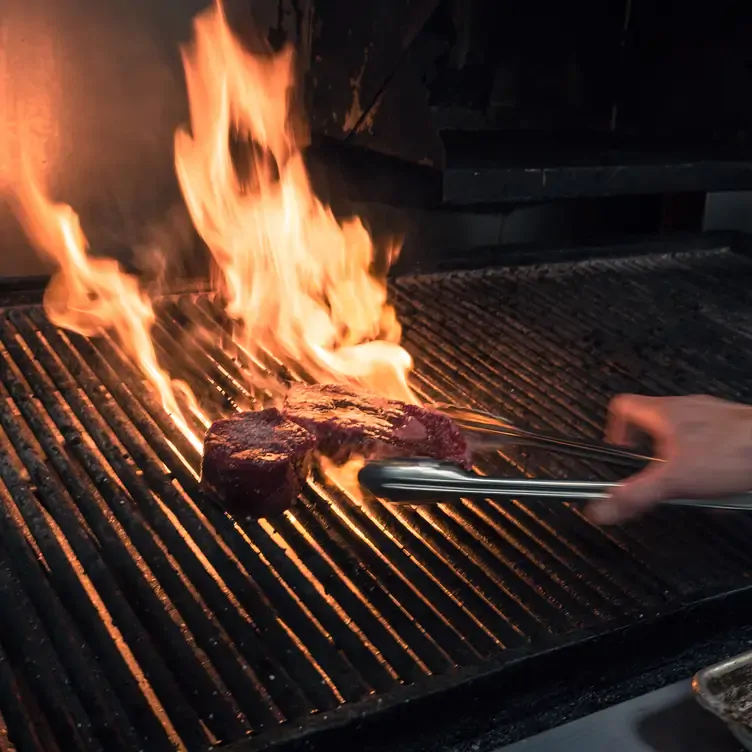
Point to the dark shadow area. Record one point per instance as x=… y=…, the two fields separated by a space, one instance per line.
x=686 y=727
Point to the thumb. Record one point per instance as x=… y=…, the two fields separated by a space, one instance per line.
x=633 y=497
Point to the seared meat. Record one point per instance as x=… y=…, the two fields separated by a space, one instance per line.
x=349 y=421
x=256 y=461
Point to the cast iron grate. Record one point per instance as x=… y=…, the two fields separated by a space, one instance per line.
x=136 y=615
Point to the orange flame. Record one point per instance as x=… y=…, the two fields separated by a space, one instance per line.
x=91 y=295
x=298 y=283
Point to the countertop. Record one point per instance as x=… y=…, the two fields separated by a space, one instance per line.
x=667 y=720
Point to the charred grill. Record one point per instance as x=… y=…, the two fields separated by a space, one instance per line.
x=144 y=617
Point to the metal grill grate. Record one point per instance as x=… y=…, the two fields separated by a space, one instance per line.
x=144 y=618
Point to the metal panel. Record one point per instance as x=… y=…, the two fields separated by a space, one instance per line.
x=667 y=719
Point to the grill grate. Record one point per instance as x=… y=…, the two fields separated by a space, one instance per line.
x=144 y=618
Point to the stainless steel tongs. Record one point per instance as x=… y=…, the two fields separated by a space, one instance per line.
x=422 y=481
x=425 y=481
x=486 y=431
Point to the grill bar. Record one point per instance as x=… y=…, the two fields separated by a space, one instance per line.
x=150 y=548
x=293 y=702
x=92 y=683
x=55 y=498
x=233 y=571
x=699 y=543
x=43 y=671
x=147 y=618
x=157 y=613
x=64 y=577
x=16 y=716
x=392 y=545
x=556 y=417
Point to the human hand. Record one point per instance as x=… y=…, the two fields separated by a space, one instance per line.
x=706 y=445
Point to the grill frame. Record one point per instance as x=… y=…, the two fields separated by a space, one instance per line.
x=461 y=688
x=511 y=699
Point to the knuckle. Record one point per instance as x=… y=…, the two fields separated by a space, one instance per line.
x=622 y=403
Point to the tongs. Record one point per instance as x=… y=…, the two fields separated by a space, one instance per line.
x=486 y=431
x=425 y=481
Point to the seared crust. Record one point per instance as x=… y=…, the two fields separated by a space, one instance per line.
x=255 y=462
x=349 y=421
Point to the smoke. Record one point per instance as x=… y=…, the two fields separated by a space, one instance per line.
x=168 y=250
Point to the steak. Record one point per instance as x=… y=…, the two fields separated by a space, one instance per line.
x=348 y=421
x=255 y=462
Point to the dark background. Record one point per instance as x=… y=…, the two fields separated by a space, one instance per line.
x=653 y=73
x=456 y=122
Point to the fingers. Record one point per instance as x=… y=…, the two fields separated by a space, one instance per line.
x=633 y=497
x=628 y=412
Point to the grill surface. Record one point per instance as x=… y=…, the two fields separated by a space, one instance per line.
x=144 y=618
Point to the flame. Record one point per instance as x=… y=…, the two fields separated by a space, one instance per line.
x=91 y=295
x=345 y=476
x=298 y=284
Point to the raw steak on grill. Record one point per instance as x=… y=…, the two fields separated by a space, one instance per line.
x=256 y=461
x=349 y=421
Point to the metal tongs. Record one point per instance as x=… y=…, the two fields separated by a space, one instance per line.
x=426 y=481
x=485 y=431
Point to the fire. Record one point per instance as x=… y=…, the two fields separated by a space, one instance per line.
x=298 y=283
x=91 y=295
